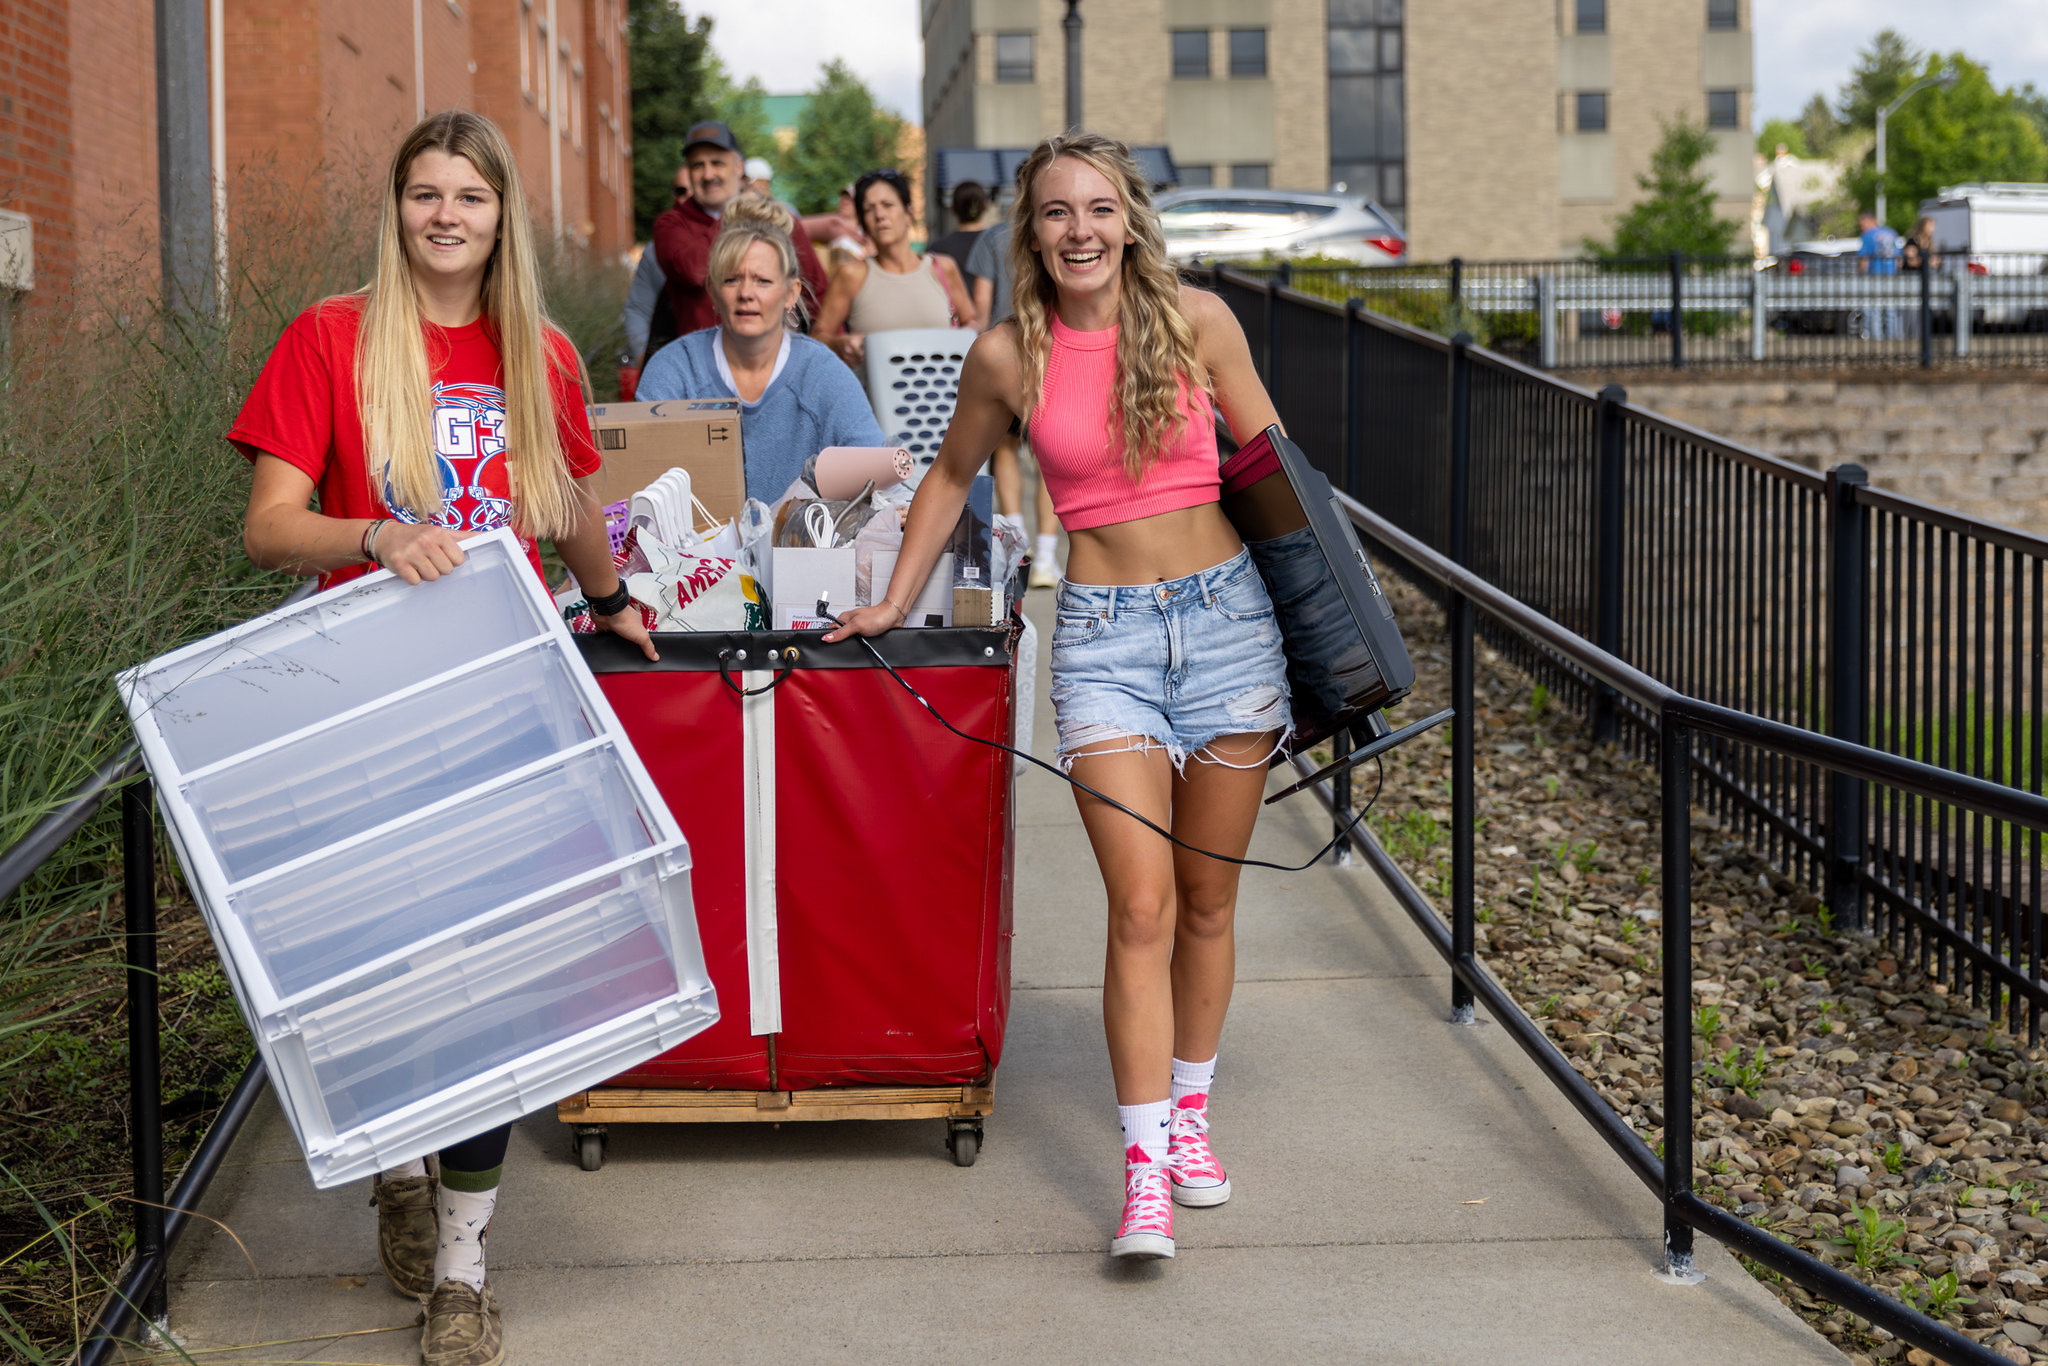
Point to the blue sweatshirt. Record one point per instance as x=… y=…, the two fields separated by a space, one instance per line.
x=813 y=401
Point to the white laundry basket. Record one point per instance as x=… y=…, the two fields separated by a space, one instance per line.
x=913 y=376
x=444 y=888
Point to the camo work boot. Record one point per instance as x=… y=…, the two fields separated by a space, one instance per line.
x=463 y=1327
x=407 y=1232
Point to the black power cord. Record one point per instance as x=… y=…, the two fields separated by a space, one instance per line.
x=923 y=701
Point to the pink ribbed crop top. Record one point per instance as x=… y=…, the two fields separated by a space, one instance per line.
x=1082 y=460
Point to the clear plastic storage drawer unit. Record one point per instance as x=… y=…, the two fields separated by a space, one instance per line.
x=445 y=889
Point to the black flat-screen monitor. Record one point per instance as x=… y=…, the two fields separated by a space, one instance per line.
x=1345 y=656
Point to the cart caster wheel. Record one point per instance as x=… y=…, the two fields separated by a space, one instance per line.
x=590 y=1149
x=965 y=1144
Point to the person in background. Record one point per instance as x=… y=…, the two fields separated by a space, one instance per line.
x=761 y=177
x=683 y=234
x=795 y=397
x=1878 y=254
x=1918 y=248
x=971 y=212
x=839 y=232
x=435 y=404
x=896 y=289
x=1169 y=685
x=988 y=266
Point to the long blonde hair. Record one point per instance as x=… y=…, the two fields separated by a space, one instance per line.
x=1156 y=348
x=749 y=219
x=394 y=380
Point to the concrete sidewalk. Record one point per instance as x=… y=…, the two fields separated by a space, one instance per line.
x=1406 y=1191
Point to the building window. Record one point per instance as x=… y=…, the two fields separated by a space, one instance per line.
x=1013 y=58
x=1723 y=14
x=1592 y=16
x=1724 y=109
x=1367 y=146
x=1251 y=177
x=1592 y=111
x=1196 y=177
x=525 y=57
x=1247 y=52
x=1191 y=54
x=540 y=55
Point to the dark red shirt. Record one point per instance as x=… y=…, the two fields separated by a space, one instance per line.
x=682 y=248
x=303 y=409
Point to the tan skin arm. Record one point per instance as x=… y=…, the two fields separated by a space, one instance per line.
x=281 y=531
x=831 y=325
x=957 y=297
x=987 y=400
x=1220 y=342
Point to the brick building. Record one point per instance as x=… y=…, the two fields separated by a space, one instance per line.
x=326 y=84
x=1490 y=128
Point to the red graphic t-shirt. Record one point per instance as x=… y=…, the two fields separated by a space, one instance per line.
x=303 y=410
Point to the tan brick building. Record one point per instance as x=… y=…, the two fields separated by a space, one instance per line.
x=1490 y=128
x=310 y=84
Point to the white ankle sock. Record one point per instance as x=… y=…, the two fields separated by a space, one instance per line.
x=1145 y=1128
x=416 y=1167
x=1048 y=546
x=465 y=1219
x=1193 y=1079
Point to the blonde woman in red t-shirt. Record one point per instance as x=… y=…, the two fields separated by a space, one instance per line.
x=436 y=404
x=1169 y=685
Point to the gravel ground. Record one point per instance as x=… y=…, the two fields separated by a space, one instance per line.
x=1846 y=1102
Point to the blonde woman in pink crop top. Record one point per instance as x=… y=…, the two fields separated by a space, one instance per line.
x=1169 y=685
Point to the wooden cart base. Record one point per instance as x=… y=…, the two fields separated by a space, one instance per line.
x=962 y=1107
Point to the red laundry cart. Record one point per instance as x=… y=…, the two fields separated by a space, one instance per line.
x=852 y=869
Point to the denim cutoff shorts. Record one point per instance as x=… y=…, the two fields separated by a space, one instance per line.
x=1169 y=665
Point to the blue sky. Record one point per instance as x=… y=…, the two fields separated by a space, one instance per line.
x=1801 y=45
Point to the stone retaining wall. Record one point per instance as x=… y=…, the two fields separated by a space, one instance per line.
x=1974 y=444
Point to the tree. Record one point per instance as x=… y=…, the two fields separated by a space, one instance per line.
x=679 y=81
x=1970 y=132
x=1882 y=70
x=841 y=135
x=1777 y=132
x=1817 y=122
x=2034 y=104
x=1677 y=213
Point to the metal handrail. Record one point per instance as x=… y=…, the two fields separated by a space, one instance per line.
x=1678 y=716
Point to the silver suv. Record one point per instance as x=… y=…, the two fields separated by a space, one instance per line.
x=1221 y=225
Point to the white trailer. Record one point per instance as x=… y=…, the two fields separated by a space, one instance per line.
x=1992 y=230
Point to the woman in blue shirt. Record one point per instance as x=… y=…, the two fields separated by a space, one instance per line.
x=796 y=397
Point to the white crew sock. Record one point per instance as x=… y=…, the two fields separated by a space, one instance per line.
x=416 y=1167
x=1145 y=1129
x=465 y=1219
x=1193 y=1079
x=1048 y=546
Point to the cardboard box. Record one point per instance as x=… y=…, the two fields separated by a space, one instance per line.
x=640 y=441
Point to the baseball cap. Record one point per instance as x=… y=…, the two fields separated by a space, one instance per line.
x=759 y=169
x=713 y=132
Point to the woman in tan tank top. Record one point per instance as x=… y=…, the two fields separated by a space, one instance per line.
x=896 y=289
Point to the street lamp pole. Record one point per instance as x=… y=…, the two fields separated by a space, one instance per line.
x=1072 y=24
x=1946 y=80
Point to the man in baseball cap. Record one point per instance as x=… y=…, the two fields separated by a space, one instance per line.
x=683 y=233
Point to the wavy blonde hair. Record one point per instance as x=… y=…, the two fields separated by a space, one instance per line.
x=1156 y=349
x=749 y=219
x=394 y=380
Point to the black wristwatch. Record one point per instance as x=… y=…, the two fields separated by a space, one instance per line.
x=612 y=603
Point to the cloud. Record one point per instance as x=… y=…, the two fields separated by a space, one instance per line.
x=1808 y=46
x=784 y=42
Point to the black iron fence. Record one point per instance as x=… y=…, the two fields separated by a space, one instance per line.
x=1853 y=678
x=1985 y=309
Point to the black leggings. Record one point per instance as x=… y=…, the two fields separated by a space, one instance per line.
x=484 y=1153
